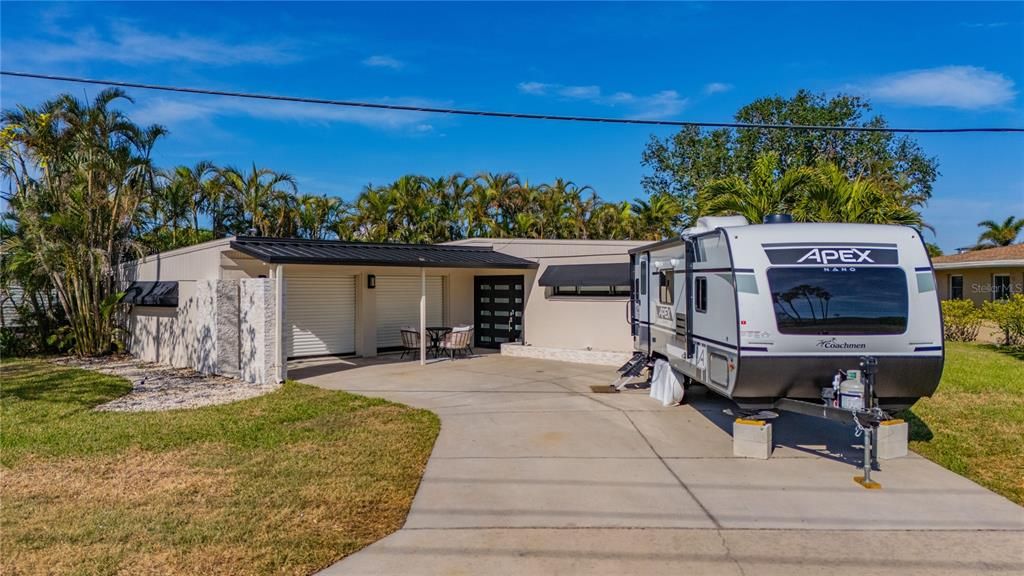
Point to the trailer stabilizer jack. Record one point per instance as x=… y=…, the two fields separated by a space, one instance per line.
x=869 y=484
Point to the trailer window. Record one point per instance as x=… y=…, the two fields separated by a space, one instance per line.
x=700 y=294
x=643 y=278
x=851 y=301
x=666 y=283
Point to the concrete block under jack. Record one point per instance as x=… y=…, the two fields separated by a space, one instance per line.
x=892 y=439
x=751 y=439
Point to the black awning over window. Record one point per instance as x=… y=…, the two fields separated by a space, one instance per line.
x=614 y=274
x=152 y=294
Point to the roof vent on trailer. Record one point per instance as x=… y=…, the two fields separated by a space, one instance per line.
x=778 y=219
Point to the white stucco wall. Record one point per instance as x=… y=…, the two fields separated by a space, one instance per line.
x=183 y=337
x=573 y=323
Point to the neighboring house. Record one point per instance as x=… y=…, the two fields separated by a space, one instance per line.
x=980 y=275
x=245 y=305
x=11 y=297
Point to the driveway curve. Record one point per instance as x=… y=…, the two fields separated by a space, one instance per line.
x=535 y=473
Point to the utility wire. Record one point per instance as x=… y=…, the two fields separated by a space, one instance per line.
x=492 y=114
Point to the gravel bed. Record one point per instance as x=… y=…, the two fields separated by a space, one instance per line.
x=157 y=387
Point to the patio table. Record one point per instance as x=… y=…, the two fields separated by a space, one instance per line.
x=437 y=334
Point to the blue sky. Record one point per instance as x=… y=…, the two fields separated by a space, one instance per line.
x=921 y=64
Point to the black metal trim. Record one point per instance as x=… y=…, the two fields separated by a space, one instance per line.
x=245 y=245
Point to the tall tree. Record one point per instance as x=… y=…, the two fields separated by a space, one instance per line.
x=1000 y=233
x=80 y=172
x=685 y=163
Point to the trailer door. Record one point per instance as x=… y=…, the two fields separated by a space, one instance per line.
x=642 y=288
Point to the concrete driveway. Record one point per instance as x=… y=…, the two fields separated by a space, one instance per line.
x=534 y=474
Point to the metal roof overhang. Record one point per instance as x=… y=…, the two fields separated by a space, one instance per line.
x=151 y=294
x=613 y=274
x=334 y=252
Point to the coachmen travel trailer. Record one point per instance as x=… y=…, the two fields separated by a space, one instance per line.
x=833 y=320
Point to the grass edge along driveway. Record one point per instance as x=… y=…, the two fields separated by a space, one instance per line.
x=974 y=423
x=286 y=483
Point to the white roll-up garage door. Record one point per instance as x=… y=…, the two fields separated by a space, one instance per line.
x=398 y=304
x=320 y=315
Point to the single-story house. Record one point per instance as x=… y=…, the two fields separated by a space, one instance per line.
x=980 y=275
x=245 y=306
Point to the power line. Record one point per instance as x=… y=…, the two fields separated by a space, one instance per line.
x=493 y=114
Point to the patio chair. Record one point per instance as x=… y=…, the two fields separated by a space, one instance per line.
x=458 y=341
x=410 y=341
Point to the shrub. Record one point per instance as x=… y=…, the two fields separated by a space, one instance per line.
x=1009 y=316
x=961 y=320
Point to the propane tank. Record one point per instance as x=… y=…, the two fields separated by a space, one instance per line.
x=851 y=391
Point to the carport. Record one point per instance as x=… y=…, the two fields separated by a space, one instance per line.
x=339 y=298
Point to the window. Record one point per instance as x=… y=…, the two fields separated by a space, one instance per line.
x=855 y=301
x=956 y=287
x=700 y=294
x=643 y=278
x=666 y=283
x=1001 y=286
x=589 y=291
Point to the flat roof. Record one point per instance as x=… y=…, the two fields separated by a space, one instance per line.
x=337 y=252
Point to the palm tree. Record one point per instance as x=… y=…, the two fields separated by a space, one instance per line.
x=318 y=215
x=497 y=198
x=657 y=217
x=764 y=192
x=80 y=172
x=372 y=214
x=612 y=221
x=1000 y=233
x=831 y=196
x=199 y=180
x=259 y=198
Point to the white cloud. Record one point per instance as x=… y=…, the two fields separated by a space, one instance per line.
x=126 y=44
x=533 y=87
x=663 y=104
x=984 y=24
x=581 y=92
x=171 y=111
x=716 y=88
x=966 y=87
x=382 y=61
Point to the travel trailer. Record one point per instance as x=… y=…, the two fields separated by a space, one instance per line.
x=767 y=312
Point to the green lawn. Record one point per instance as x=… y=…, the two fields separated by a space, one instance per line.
x=974 y=424
x=286 y=483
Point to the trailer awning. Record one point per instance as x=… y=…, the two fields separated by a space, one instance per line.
x=151 y=294
x=613 y=274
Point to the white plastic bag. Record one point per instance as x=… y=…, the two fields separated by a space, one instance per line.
x=665 y=386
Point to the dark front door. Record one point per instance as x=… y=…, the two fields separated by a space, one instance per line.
x=498 y=310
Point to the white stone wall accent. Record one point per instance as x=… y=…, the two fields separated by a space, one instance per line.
x=597 y=357
x=227 y=323
x=256 y=330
